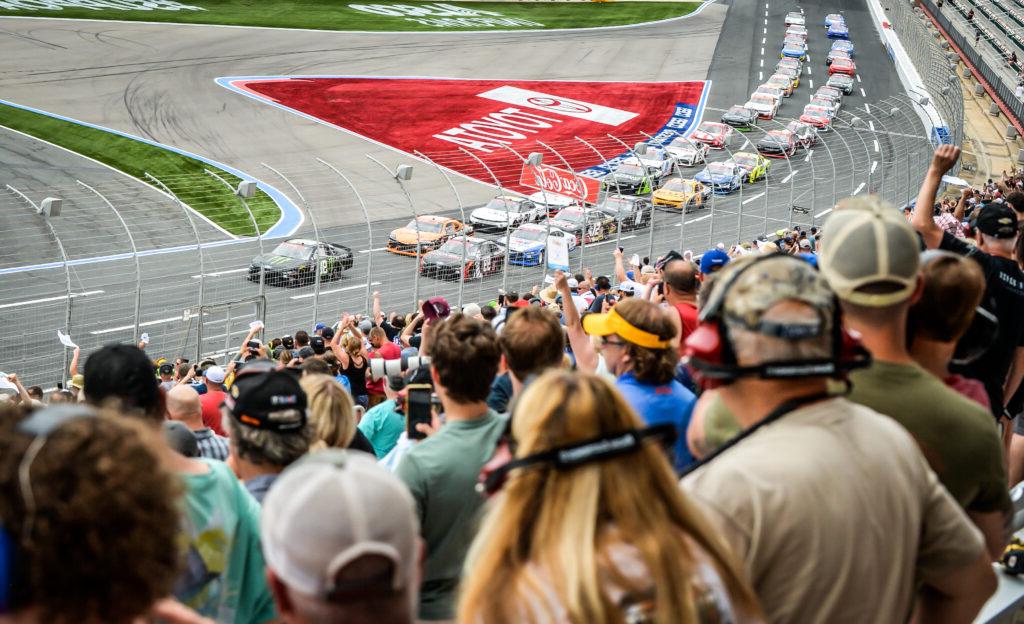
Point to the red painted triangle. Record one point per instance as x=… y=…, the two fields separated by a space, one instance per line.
x=455 y=122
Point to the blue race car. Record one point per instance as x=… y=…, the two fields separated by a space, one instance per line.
x=843 y=44
x=832 y=18
x=722 y=177
x=791 y=50
x=526 y=244
x=838 y=30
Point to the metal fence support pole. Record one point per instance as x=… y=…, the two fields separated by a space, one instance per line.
x=792 y=182
x=832 y=161
x=649 y=184
x=369 y=229
x=884 y=137
x=508 y=216
x=565 y=163
x=255 y=227
x=677 y=169
x=547 y=220
x=853 y=162
x=867 y=152
x=199 y=250
x=618 y=226
x=462 y=216
x=318 y=278
x=739 y=213
x=416 y=218
x=135 y=256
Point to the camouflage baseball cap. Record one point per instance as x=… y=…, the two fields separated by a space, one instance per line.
x=870 y=256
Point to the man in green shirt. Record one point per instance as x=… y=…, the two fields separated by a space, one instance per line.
x=442 y=471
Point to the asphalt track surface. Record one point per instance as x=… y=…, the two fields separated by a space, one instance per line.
x=157 y=81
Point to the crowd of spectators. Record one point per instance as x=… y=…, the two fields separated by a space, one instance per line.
x=822 y=425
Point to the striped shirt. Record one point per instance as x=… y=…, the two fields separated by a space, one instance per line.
x=211 y=445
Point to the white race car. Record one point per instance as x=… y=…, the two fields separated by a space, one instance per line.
x=657 y=161
x=688 y=153
x=795 y=18
x=765 y=105
x=505 y=211
x=551 y=203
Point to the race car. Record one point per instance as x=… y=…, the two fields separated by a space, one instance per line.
x=825 y=102
x=796 y=29
x=817 y=116
x=587 y=225
x=792 y=74
x=629 y=178
x=722 y=177
x=773 y=92
x=505 y=211
x=629 y=213
x=715 y=135
x=753 y=165
x=834 y=18
x=528 y=244
x=659 y=164
x=680 y=193
x=836 y=54
x=791 y=63
x=781 y=82
x=550 y=203
x=482 y=257
x=797 y=40
x=296 y=261
x=831 y=93
x=842 y=66
x=792 y=50
x=804 y=134
x=795 y=18
x=764 y=105
x=424 y=234
x=838 y=30
x=740 y=117
x=845 y=45
x=686 y=152
x=842 y=82
x=777 y=144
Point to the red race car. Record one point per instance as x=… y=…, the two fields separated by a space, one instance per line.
x=716 y=135
x=842 y=66
x=777 y=144
x=817 y=116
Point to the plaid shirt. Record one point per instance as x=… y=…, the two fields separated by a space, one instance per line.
x=948 y=222
x=211 y=445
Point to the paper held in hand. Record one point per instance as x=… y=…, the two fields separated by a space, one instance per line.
x=66 y=340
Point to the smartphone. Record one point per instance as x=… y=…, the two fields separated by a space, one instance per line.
x=417 y=409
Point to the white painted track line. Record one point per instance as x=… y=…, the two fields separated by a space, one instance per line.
x=335 y=290
x=18 y=304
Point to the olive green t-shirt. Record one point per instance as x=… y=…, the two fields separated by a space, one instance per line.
x=956 y=435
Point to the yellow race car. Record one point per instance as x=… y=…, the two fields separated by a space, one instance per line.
x=427 y=232
x=754 y=165
x=682 y=194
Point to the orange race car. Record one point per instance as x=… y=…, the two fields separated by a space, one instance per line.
x=429 y=231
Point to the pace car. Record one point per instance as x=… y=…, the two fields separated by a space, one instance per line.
x=629 y=178
x=722 y=177
x=296 y=261
x=740 y=117
x=482 y=257
x=764 y=105
x=753 y=165
x=528 y=244
x=834 y=18
x=680 y=193
x=843 y=82
x=777 y=144
x=845 y=45
x=505 y=211
x=792 y=50
x=586 y=224
x=817 y=116
x=836 y=54
x=550 y=203
x=795 y=18
x=842 y=66
x=686 y=152
x=804 y=134
x=838 y=30
x=715 y=135
x=423 y=234
x=629 y=213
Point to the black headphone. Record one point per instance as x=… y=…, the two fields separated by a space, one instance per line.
x=710 y=354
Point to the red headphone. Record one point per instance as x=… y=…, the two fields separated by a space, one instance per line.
x=710 y=355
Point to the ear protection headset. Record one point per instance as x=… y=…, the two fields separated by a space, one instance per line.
x=709 y=350
x=38 y=425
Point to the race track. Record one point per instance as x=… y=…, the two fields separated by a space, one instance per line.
x=157 y=81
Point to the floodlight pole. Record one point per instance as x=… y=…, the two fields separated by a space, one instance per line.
x=255 y=227
x=369 y=228
x=462 y=214
x=404 y=172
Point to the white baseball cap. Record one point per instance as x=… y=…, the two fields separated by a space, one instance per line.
x=215 y=374
x=331 y=509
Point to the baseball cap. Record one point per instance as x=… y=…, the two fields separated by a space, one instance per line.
x=215 y=374
x=995 y=219
x=267 y=397
x=331 y=509
x=167 y=369
x=471 y=310
x=287 y=342
x=805 y=244
x=869 y=244
x=712 y=260
x=319 y=326
x=365 y=326
x=572 y=283
x=630 y=287
x=436 y=308
x=327 y=333
x=669 y=257
x=306 y=352
x=317 y=344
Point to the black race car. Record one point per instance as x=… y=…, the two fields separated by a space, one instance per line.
x=629 y=212
x=296 y=261
x=740 y=117
x=586 y=224
x=482 y=257
x=629 y=178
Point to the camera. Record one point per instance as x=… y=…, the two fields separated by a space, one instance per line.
x=380 y=367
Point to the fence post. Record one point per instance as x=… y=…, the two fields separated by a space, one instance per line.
x=135 y=256
x=832 y=162
x=853 y=162
x=547 y=218
x=369 y=228
x=462 y=215
x=792 y=182
x=419 y=257
x=618 y=227
x=318 y=278
x=682 y=207
x=649 y=183
x=255 y=227
x=851 y=124
x=508 y=218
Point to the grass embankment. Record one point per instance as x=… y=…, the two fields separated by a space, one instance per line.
x=334 y=15
x=183 y=175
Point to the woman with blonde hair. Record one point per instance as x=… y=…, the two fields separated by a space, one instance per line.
x=591 y=526
x=353 y=361
x=332 y=415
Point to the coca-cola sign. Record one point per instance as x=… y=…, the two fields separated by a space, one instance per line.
x=560 y=182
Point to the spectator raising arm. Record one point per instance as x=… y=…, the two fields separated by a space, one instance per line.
x=586 y=357
x=410 y=329
x=943 y=160
x=23 y=395
x=73 y=367
x=378 y=316
x=620 y=268
x=961 y=205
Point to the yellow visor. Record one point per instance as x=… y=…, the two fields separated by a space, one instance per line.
x=612 y=323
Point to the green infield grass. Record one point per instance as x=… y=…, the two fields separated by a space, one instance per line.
x=366 y=16
x=184 y=176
